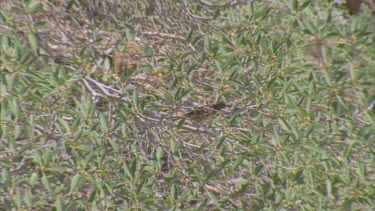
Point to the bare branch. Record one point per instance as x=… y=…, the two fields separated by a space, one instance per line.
x=230 y=4
x=169 y=36
x=163 y=35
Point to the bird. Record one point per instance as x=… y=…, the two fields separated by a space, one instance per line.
x=203 y=113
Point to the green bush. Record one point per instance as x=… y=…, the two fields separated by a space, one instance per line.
x=96 y=96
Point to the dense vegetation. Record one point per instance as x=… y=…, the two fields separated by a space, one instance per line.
x=97 y=99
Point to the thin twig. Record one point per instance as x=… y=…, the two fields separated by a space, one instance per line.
x=230 y=4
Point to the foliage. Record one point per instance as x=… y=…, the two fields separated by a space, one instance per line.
x=93 y=96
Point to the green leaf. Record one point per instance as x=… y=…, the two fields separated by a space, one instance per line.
x=237 y=163
x=60 y=204
x=115 y=146
x=327 y=76
x=328 y=187
x=127 y=171
x=243 y=189
x=57 y=169
x=134 y=166
x=18 y=198
x=256 y=81
x=189 y=35
x=106 y=63
x=181 y=123
x=310 y=27
x=34 y=6
x=84 y=147
x=213 y=198
x=207 y=45
x=28 y=198
x=46 y=183
x=4 y=17
x=7 y=180
x=294 y=5
x=33 y=40
x=75 y=183
x=181 y=92
x=41 y=25
x=220 y=141
x=210 y=175
x=216 y=14
x=135 y=99
x=232 y=119
x=174 y=192
x=223 y=164
x=65 y=126
x=103 y=122
x=148 y=51
x=342 y=102
x=305 y=4
x=327 y=55
x=159 y=153
x=285 y=87
x=6 y=163
x=284 y=125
